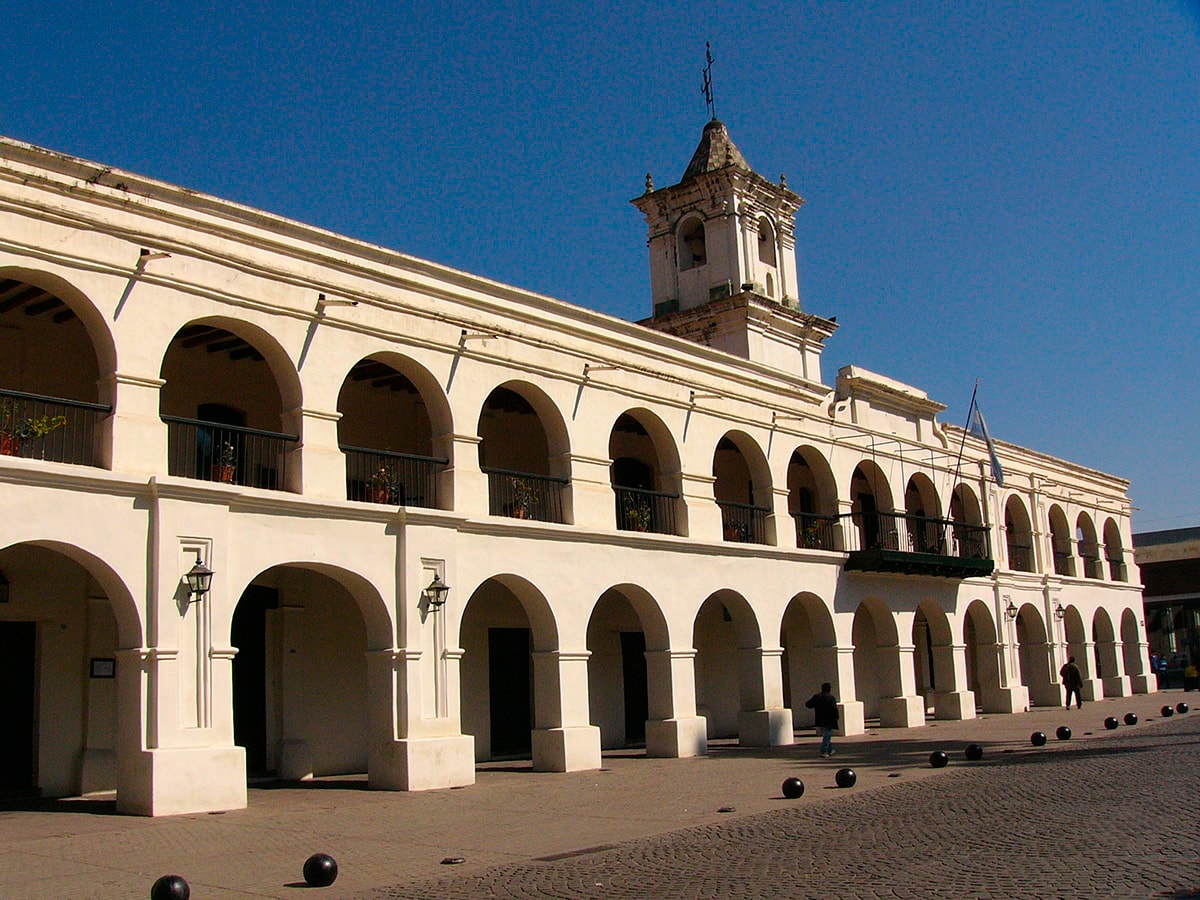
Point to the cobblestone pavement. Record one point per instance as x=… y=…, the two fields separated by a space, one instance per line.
x=1118 y=818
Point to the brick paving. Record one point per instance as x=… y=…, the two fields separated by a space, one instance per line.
x=1106 y=814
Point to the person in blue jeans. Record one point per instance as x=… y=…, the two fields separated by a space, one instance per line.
x=825 y=707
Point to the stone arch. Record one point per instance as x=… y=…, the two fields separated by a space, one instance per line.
x=646 y=474
x=812 y=499
x=876 y=657
x=1061 y=541
x=307 y=627
x=1034 y=656
x=66 y=733
x=524 y=449
x=1133 y=646
x=1114 y=553
x=767 y=251
x=970 y=534
x=506 y=623
x=1109 y=663
x=1018 y=535
x=984 y=654
x=872 y=509
x=1079 y=645
x=1088 y=547
x=625 y=625
x=394 y=432
x=724 y=632
x=231 y=399
x=923 y=516
x=743 y=489
x=933 y=656
x=810 y=649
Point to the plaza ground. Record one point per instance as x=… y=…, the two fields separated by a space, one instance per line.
x=654 y=827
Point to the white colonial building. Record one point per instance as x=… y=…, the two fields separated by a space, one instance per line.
x=654 y=533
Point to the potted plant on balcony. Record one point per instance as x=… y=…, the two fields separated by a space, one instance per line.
x=638 y=515
x=524 y=497
x=225 y=467
x=14 y=430
x=384 y=486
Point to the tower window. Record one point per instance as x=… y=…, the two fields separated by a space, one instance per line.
x=692 y=252
x=766 y=242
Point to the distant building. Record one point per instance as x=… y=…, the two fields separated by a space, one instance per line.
x=448 y=520
x=1169 y=562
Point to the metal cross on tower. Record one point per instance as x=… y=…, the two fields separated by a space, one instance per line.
x=707 y=88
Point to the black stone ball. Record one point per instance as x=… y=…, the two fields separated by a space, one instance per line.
x=1130 y=718
x=793 y=788
x=1111 y=722
x=320 y=870
x=1064 y=733
x=1181 y=708
x=845 y=778
x=974 y=752
x=1038 y=739
x=1167 y=712
x=170 y=887
x=938 y=759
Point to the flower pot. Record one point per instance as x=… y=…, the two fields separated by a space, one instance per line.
x=381 y=493
x=224 y=474
x=10 y=445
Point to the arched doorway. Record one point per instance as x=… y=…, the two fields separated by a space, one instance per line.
x=646 y=479
x=67 y=687
x=983 y=657
x=742 y=490
x=809 y=654
x=1034 y=656
x=523 y=451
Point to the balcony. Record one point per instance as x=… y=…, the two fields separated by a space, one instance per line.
x=228 y=454
x=648 y=511
x=392 y=479
x=742 y=523
x=814 y=532
x=522 y=495
x=49 y=428
x=916 y=545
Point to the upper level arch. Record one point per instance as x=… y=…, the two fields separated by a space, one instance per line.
x=524 y=451
x=1114 y=551
x=742 y=489
x=394 y=431
x=1088 y=547
x=231 y=400
x=1018 y=535
x=1060 y=541
x=923 y=515
x=871 y=509
x=767 y=252
x=812 y=499
x=57 y=358
x=645 y=474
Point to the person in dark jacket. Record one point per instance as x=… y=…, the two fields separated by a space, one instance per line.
x=1072 y=680
x=825 y=706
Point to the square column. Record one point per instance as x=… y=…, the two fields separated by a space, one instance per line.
x=673 y=730
x=564 y=740
x=591 y=500
x=763 y=720
x=851 y=715
x=133 y=439
x=907 y=709
x=950 y=663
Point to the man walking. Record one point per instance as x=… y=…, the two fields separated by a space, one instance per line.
x=1072 y=680
x=825 y=707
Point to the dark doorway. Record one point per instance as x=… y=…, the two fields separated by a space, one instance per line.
x=870 y=522
x=510 y=679
x=633 y=670
x=18 y=642
x=249 y=634
x=632 y=473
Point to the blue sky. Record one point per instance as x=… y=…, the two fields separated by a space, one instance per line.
x=996 y=190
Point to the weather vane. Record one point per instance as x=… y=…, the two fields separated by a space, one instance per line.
x=707 y=88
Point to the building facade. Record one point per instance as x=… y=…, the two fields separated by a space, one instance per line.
x=653 y=534
x=1169 y=562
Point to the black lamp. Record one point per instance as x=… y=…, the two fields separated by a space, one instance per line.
x=436 y=593
x=199 y=580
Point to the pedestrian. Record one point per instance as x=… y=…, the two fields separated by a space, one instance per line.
x=825 y=707
x=1072 y=680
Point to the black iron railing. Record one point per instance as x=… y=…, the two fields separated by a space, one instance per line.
x=522 y=495
x=394 y=479
x=36 y=427
x=916 y=534
x=816 y=532
x=742 y=523
x=640 y=510
x=230 y=454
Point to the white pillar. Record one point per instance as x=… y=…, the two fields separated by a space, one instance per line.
x=763 y=721
x=564 y=740
x=673 y=730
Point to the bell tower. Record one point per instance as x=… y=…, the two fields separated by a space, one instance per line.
x=723 y=260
